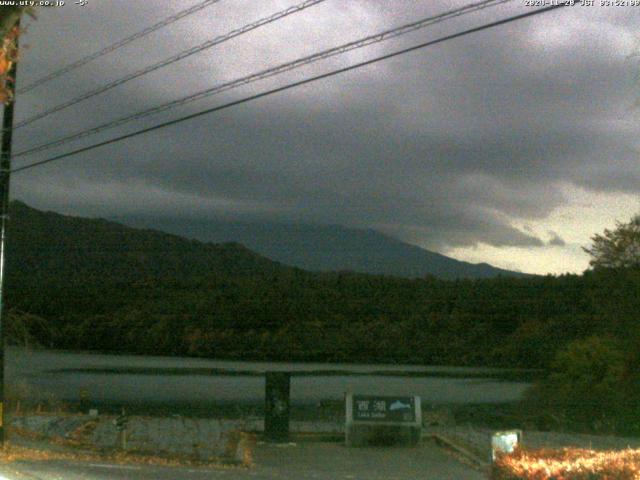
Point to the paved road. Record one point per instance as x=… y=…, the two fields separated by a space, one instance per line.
x=318 y=461
x=63 y=470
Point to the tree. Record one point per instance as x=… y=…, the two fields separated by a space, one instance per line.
x=9 y=33
x=8 y=55
x=8 y=18
x=618 y=248
x=586 y=387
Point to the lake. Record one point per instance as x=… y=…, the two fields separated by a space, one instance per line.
x=156 y=381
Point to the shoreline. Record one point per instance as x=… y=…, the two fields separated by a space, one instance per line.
x=387 y=367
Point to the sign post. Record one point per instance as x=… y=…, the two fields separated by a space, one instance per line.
x=84 y=401
x=121 y=423
x=382 y=420
x=276 y=409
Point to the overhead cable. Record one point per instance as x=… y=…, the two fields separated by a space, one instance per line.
x=289 y=86
x=270 y=72
x=175 y=58
x=121 y=43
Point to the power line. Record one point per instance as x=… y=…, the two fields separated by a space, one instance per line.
x=293 y=85
x=267 y=73
x=115 y=46
x=180 y=56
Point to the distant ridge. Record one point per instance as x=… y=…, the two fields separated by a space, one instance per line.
x=56 y=246
x=321 y=248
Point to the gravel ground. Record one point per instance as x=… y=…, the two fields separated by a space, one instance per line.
x=297 y=459
x=203 y=438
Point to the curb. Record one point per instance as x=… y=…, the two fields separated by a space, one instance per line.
x=446 y=442
x=306 y=436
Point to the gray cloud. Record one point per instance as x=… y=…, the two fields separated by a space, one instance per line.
x=555 y=239
x=449 y=147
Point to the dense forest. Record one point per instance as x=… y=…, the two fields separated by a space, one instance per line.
x=77 y=283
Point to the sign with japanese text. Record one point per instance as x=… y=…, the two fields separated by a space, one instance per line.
x=383 y=409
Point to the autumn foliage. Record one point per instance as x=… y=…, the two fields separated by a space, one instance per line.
x=567 y=464
x=8 y=55
x=9 y=33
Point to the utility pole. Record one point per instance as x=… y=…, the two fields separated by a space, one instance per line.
x=5 y=173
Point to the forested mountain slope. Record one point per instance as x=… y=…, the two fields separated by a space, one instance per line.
x=91 y=284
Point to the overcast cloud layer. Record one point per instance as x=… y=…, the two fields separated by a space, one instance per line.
x=471 y=144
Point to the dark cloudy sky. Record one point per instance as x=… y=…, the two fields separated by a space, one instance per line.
x=511 y=146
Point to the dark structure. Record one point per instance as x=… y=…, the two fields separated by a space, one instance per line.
x=276 y=409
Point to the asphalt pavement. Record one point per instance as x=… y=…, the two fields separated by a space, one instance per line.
x=304 y=460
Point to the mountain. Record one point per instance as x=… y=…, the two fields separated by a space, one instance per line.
x=48 y=244
x=322 y=248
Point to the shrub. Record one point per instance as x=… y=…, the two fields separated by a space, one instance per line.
x=586 y=388
x=567 y=464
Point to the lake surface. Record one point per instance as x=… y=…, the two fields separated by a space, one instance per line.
x=149 y=380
